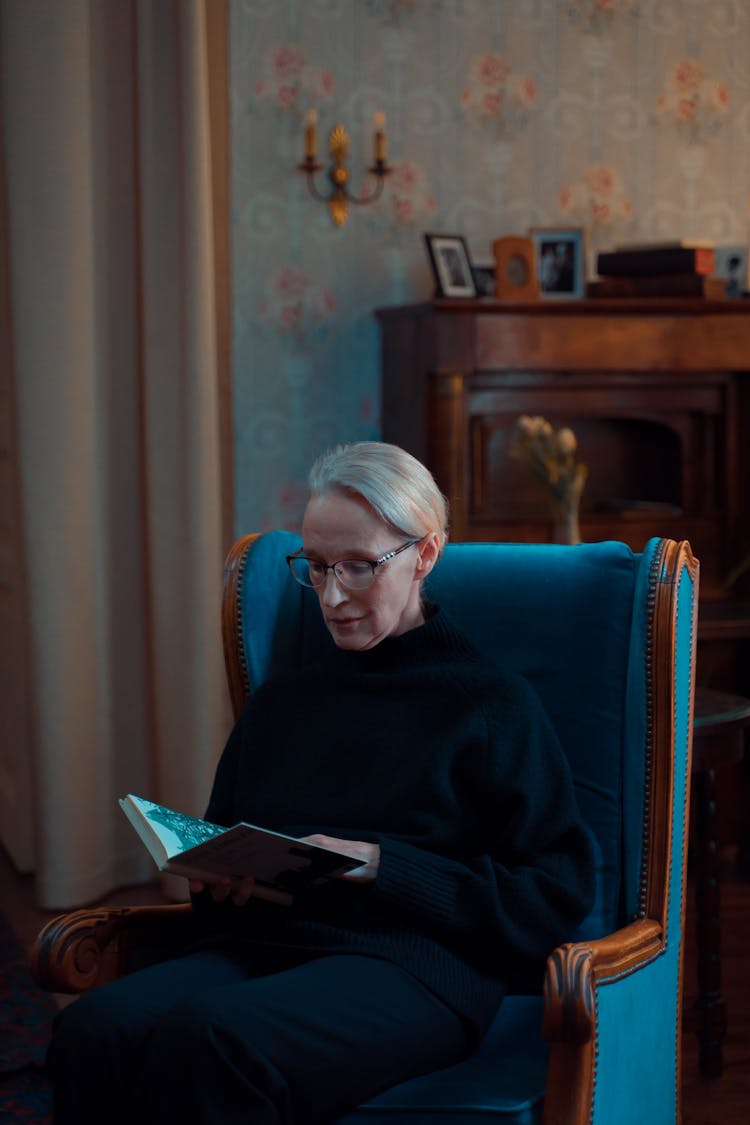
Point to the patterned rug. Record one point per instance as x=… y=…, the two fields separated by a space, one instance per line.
x=26 y=1014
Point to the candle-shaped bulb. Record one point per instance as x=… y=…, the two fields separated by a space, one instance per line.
x=311 y=121
x=379 y=123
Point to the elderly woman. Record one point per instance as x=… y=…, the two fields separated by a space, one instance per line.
x=406 y=749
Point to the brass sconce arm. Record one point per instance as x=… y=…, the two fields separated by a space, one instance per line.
x=340 y=197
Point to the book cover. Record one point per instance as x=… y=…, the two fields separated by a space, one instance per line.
x=666 y=244
x=197 y=849
x=657 y=260
x=659 y=285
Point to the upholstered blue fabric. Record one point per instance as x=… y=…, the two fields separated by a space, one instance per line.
x=573 y=638
x=281 y=622
x=628 y=1086
x=573 y=620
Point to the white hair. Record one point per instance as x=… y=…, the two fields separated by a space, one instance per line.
x=398 y=487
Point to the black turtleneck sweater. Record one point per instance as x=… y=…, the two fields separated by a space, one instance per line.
x=453 y=768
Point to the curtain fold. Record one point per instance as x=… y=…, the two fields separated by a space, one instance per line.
x=111 y=264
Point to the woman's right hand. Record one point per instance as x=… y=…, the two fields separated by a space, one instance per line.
x=239 y=890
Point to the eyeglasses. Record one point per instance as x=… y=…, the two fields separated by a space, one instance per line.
x=352 y=574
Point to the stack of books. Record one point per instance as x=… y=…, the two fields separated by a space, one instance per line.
x=663 y=269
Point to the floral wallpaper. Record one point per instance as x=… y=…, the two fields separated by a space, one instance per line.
x=627 y=118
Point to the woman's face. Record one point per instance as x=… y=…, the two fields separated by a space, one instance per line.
x=338 y=526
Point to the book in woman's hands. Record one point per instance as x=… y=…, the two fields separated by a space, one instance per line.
x=197 y=849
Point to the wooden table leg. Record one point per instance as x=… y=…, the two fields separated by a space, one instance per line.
x=710 y=1004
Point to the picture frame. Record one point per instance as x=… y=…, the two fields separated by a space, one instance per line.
x=515 y=268
x=732 y=266
x=451 y=265
x=484 y=278
x=560 y=261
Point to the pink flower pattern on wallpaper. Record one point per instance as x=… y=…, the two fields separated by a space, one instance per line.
x=294 y=306
x=407 y=200
x=409 y=196
x=691 y=101
x=287 y=508
x=597 y=199
x=289 y=82
x=497 y=97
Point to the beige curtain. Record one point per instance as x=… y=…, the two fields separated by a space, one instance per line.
x=112 y=260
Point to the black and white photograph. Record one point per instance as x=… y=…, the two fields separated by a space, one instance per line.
x=451 y=265
x=731 y=264
x=559 y=261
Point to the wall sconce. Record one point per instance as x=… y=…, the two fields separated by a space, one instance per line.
x=339 y=197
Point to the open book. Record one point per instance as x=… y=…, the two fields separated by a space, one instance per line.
x=184 y=845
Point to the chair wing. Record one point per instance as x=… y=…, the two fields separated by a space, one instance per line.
x=613 y=1007
x=608 y=639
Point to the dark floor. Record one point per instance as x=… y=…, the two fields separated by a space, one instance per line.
x=724 y=1101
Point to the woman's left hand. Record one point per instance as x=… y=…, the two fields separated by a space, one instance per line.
x=239 y=890
x=357 y=849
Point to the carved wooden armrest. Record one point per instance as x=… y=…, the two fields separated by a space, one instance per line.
x=84 y=948
x=574 y=973
x=574 y=970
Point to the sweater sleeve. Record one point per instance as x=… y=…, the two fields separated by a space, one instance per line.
x=532 y=881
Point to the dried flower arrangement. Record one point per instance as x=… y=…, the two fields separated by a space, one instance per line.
x=498 y=97
x=551 y=456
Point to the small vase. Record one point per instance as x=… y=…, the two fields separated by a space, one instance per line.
x=567 y=528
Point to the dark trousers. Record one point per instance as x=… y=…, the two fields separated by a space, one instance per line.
x=219 y=1039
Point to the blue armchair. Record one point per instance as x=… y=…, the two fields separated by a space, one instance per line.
x=608 y=639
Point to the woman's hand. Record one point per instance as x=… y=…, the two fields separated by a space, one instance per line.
x=357 y=849
x=239 y=890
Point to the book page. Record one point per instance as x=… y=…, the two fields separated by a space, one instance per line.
x=270 y=857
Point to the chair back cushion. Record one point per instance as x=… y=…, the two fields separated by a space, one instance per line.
x=572 y=620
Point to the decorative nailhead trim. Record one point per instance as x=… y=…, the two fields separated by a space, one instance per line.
x=653 y=578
